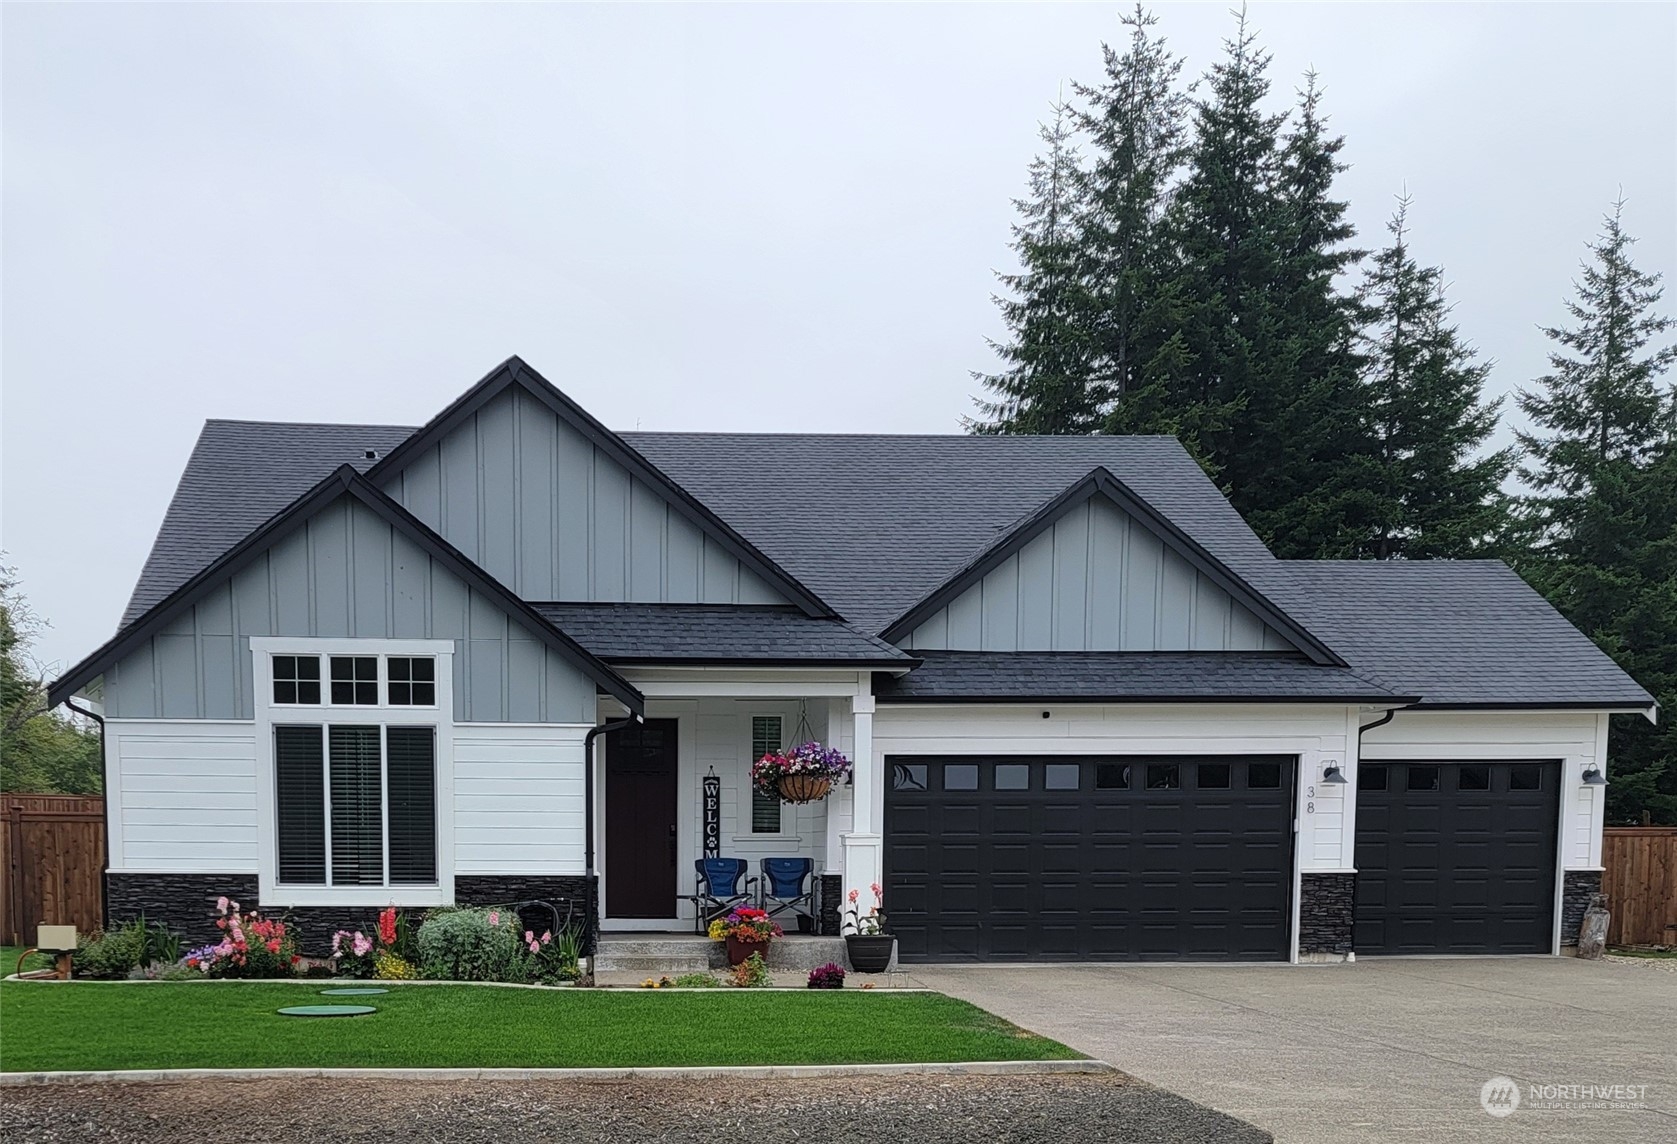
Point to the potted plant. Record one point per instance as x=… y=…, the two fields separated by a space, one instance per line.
x=746 y=931
x=866 y=938
x=806 y=773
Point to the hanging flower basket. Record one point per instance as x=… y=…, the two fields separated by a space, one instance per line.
x=806 y=773
x=804 y=788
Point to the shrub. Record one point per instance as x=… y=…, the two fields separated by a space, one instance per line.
x=111 y=955
x=829 y=976
x=696 y=981
x=391 y=966
x=472 y=945
x=752 y=973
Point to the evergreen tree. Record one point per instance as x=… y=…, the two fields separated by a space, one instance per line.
x=1223 y=231
x=1424 y=491
x=1136 y=122
x=1300 y=431
x=1604 y=520
x=1047 y=387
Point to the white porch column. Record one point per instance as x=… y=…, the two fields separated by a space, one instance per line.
x=862 y=857
x=833 y=852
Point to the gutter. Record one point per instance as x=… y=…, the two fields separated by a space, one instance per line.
x=588 y=784
x=104 y=898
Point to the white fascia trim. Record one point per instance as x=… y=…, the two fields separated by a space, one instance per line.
x=311 y=645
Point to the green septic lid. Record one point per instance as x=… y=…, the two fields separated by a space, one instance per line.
x=327 y=1010
x=351 y=992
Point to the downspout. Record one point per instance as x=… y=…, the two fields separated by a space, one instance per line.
x=588 y=785
x=104 y=898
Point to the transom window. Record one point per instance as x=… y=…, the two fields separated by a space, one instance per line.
x=356 y=804
x=297 y=679
x=355 y=680
x=412 y=681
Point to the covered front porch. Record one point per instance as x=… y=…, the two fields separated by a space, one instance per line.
x=675 y=788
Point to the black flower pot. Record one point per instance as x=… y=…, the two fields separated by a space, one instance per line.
x=870 y=953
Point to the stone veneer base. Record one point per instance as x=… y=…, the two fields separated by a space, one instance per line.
x=1327 y=911
x=186 y=903
x=1577 y=887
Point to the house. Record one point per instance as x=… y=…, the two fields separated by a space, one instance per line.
x=1093 y=717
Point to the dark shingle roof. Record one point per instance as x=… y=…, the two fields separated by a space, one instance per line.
x=1455 y=632
x=873 y=523
x=240 y=474
x=675 y=633
x=946 y=676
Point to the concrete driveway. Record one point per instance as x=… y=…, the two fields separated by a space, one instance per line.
x=1379 y=1050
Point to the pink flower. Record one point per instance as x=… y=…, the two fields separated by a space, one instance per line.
x=362 y=945
x=234 y=906
x=494 y=917
x=535 y=947
x=547 y=936
x=337 y=940
x=528 y=936
x=221 y=905
x=875 y=889
x=854 y=894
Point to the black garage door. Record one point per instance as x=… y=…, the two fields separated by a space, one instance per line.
x=1456 y=857
x=1105 y=859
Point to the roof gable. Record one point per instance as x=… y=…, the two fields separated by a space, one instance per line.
x=557 y=506
x=342 y=483
x=1063 y=602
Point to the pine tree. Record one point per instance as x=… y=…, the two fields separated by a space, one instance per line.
x=1604 y=520
x=1136 y=122
x=1047 y=387
x=1425 y=490
x=1223 y=228
x=1300 y=431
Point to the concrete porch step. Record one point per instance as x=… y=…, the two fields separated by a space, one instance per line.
x=659 y=954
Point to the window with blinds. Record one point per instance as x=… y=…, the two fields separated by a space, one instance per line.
x=356 y=804
x=765 y=808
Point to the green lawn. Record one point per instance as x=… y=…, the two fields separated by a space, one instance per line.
x=202 y=1025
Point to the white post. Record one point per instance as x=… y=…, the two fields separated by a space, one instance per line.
x=862 y=856
x=833 y=855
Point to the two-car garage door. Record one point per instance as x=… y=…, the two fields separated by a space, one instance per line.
x=1101 y=858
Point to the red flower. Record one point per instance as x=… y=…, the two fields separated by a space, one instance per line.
x=387 y=926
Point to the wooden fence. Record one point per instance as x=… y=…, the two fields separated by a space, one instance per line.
x=53 y=847
x=1641 y=884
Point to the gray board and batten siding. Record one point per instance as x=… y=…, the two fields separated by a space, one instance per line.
x=543 y=510
x=1095 y=580
x=345 y=573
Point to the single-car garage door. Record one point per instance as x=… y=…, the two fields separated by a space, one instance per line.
x=1456 y=857
x=1101 y=859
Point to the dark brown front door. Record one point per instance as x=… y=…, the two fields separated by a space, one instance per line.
x=640 y=821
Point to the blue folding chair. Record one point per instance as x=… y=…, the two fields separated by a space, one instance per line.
x=721 y=886
x=788 y=884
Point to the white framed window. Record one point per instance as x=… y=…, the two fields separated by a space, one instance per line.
x=354 y=773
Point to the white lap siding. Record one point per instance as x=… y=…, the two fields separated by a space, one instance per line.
x=518 y=798
x=181 y=796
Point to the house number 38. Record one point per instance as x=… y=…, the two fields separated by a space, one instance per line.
x=1310 y=803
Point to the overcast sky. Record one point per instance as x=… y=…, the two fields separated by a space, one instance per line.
x=695 y=217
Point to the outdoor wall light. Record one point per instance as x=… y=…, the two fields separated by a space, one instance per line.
x=1593 y=776
x=1332 y=774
